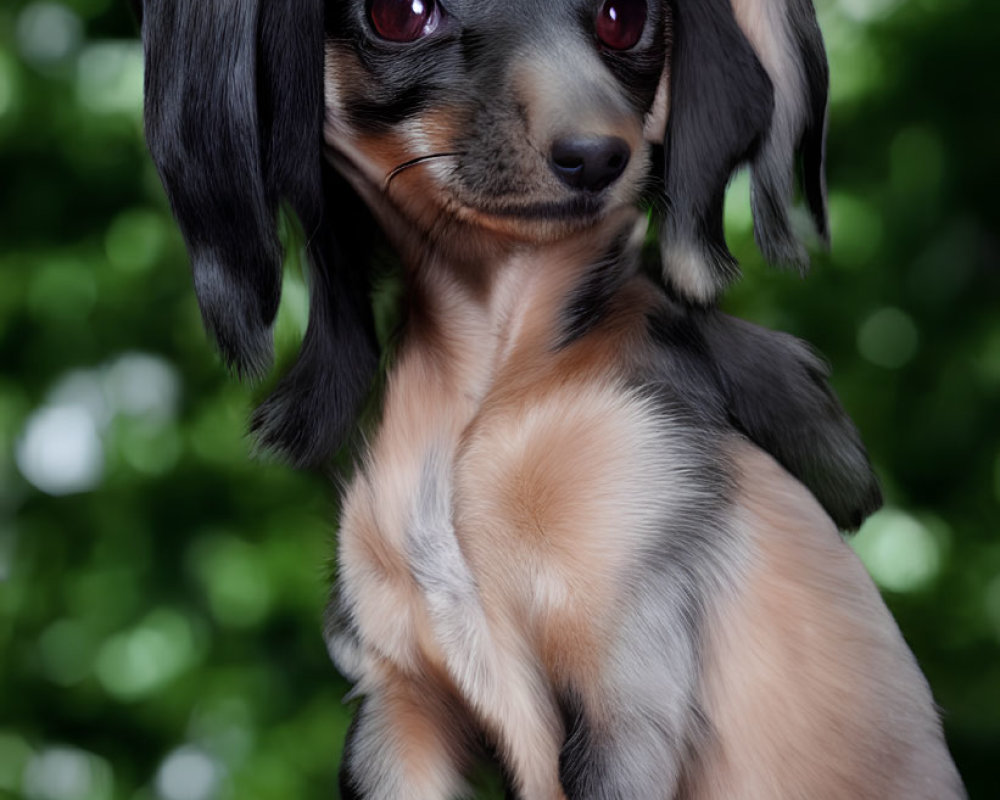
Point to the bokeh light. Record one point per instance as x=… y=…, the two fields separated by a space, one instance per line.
x=144 y=659
x=61 y=451
x=66 y=773
x=188 y=774
x=901 y=553
x=48 y=33
x=888 y=338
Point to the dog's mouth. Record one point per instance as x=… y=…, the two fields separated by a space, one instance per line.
x=582 y=209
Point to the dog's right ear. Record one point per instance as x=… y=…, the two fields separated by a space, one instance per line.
x=234 y=113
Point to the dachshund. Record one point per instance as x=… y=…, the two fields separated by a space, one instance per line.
x=592 y=534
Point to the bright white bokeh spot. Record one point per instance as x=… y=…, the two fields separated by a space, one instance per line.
x=60 y=451
x=109 y=77
x=901 y=553
x=188 y=773
x=82 y=388
x=48 y=33
x=888 y=338
x=64 y=773
x=142 y=385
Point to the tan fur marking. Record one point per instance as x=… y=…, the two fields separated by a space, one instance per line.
x=763 y=23
x=655 y=125
x=809 y=685
x=421 y=734
x=554 y=489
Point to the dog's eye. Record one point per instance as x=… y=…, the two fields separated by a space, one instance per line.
x=620 y=23
x=404 y=20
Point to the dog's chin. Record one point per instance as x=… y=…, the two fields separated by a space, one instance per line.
x=537 y=222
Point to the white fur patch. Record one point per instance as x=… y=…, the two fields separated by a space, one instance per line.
x=688 y=271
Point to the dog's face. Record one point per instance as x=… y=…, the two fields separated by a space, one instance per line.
x=525 y=118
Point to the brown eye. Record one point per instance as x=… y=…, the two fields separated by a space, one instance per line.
x=620 y=23
x=404 y=20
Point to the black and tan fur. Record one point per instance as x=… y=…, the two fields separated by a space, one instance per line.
x=595 y=530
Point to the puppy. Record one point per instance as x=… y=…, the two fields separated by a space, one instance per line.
x=594 y=532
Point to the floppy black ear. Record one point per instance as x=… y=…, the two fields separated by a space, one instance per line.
x=748 y=84
x=234 y=112
x=776 y=390
x=791 y=50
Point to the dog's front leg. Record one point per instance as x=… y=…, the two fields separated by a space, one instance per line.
x=488 y=658
x=411 y=739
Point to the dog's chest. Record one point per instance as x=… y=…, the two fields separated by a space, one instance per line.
x=523 y=513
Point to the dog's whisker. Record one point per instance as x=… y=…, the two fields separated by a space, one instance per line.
x=413 y=162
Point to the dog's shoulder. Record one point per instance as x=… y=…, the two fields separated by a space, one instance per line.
x=773 y=388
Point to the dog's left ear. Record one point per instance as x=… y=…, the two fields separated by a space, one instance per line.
x=234 y=114
x=748 y=84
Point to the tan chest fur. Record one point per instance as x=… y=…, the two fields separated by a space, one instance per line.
x=508 y=495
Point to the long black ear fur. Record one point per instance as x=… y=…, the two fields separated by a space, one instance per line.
x=234 y=112
x=777 y=391
x=741 y=92
x=795 y=58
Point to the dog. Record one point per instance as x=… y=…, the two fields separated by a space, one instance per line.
x=593 y=535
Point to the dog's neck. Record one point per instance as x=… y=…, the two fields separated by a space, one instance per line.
x=474 y=339
x=476 y=298
x=471 y=312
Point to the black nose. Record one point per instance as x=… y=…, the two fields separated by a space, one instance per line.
x=589 y=162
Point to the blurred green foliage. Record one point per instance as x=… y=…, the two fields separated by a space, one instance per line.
x=161 y=593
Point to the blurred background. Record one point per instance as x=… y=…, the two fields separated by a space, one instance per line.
x=161 y=592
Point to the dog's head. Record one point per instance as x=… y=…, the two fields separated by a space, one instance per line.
x=521 y=120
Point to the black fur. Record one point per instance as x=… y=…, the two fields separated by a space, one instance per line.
x=581 y=767
x=722 y=111
x=721 y=103
x=234 y=113
x=313 y=409
x=774 y=177
x=775 y=389
x=590 y=300
x=813 y=142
